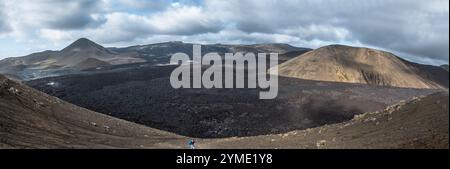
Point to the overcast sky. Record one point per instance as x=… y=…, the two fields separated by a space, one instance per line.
x=417 y=30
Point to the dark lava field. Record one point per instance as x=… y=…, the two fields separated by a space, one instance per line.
x=142 y=93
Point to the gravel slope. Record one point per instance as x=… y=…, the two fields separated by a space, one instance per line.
x=421 y=123
x=31 y=119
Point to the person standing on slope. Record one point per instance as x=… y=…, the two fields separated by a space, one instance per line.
x=191 y=144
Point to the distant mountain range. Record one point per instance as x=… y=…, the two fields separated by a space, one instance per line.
x=79 y=55
x=340 y=63
x=444 y=67
x=335 y=63
x=85 y=54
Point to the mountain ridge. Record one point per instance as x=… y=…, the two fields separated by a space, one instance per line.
x=71 y=58
x=341 y=63
x=68 y=59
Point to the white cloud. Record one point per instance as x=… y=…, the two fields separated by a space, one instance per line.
x=181 y=20
x=314 y=31
x=145 y=4
x=55 y=35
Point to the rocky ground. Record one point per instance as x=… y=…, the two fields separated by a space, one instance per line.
x=144 y=95
x=31 y=119
x=421 y=123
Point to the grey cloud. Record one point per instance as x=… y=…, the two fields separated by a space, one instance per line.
x=145 y=4
x=56 y=14
x=4 y=26
x=176 y=21
x=75 y=21
x=404 y=26
x=414 y=27
x=150 y=5
x=79 y=15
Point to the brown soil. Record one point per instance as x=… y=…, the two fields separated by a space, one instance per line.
x=31 y=119
x=421 y=123
x=339 y=63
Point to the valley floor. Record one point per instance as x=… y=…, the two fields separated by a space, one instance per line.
x=31 y=119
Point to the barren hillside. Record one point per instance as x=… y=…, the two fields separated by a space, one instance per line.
x=363 y=65
x=419 y=123
x=31 y=119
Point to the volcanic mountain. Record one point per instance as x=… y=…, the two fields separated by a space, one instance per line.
x=445 y=67
x=71 y=56
x=84 y=49
x=79 y=55
x=363 y=65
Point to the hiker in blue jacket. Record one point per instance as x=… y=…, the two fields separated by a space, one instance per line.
x=191 y=144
